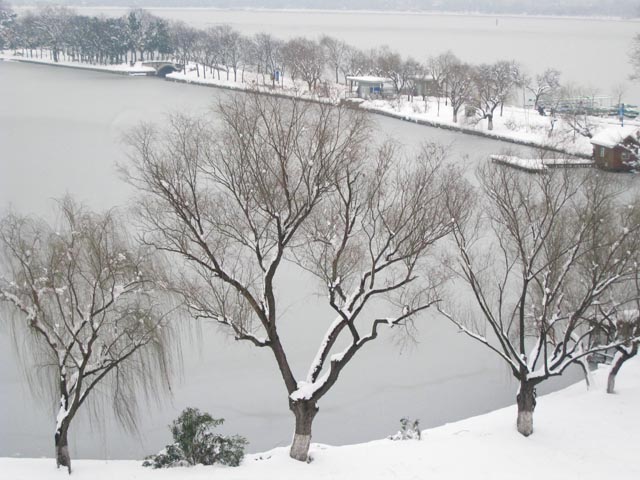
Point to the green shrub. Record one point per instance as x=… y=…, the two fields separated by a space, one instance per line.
x=195 y=443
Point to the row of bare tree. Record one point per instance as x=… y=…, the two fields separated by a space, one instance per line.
x=549 y=263
x=222 y=50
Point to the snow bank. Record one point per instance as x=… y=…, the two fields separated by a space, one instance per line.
x=125 y=68
x=539 y=164
x=516 y=124
x=579 y=434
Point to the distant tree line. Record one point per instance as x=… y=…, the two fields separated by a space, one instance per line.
x=223 y=52
x=98 y=40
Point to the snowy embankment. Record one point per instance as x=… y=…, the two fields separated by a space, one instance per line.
x=124 y=68
x=579 y=434
x=540 y=164
x=522 y=126
x=251 y=81
x=519 y=125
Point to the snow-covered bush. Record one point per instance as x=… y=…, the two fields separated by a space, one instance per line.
x=409 y=430
x=195 y=443
x=511 y=124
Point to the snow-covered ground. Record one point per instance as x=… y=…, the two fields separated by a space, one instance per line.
x=579 y=434
x=539 y=164
x=248 y=80
x=515 y=124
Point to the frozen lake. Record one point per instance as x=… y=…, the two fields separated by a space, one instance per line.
x=590 y=52
x=59 y=132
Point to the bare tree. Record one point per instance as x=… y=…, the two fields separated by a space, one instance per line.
x=439 y=68
x=459 y=86
x=335 y=53
x=230 y=42
x=390 y=64
x=293 y=181
x=559 y=254
x=305 y=59
x=82 y=296
x=576 y=107
x=269 y=52
x=355 y=62
x=544 y=85
x=492 y=86
x=185 y=41
x=625 y=324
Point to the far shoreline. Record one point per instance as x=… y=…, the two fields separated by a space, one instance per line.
x=459 y=128
x=427 y=13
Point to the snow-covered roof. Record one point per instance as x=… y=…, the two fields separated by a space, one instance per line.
x=368 y=79
x=613 y=136
x=425 y=77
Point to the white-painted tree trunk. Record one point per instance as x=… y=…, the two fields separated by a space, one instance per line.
x=305 y=412
x=526 y=400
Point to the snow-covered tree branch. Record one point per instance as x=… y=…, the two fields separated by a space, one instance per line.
x=289 y=181
x=82 y=295
x=566 y=253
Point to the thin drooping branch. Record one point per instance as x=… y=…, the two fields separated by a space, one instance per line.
x=83 y=296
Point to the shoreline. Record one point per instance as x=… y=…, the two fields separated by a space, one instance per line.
x=132 y=71
x=562 y=436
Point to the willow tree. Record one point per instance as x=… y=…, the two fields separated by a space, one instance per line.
x=563 y=258
x=293 y=182
x=81 y=296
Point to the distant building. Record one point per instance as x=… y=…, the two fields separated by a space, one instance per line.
x=424 y=86
x=616 y=148
x=366 y=86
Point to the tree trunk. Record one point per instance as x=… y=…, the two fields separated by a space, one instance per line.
x=618 y=361
x=489 y=122
x=526 y=400
x=62 y=447
x=455 y=116
x=305 y=412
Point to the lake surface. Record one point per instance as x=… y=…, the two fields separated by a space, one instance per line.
x=60 y=132
x=589 y=52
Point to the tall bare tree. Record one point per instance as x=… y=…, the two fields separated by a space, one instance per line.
x=459 y=86
x=561 y=252
x=306 y=60
x=544 y=86
x=439 y=68
x=82 y=297
x=335 y=53
x=492 y=86
x=294 y=182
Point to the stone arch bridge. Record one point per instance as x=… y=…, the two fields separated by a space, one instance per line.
x=163 y=67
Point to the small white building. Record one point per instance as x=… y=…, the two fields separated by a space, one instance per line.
x=366 y=86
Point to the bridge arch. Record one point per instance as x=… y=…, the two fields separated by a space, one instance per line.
x=164 y=70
